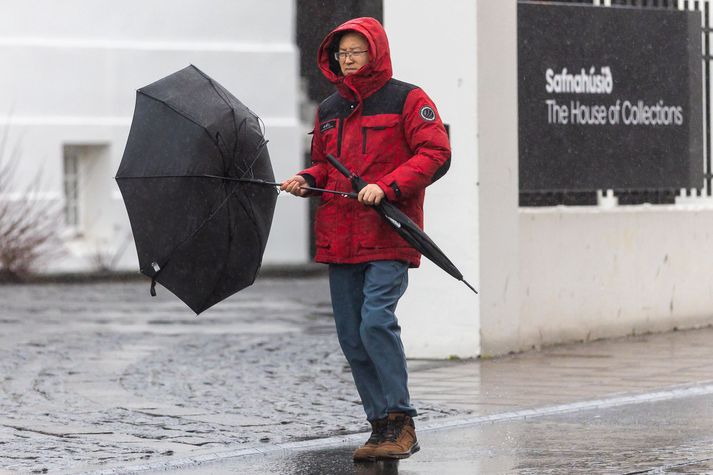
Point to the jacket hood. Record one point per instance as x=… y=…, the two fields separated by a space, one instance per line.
x=370 y=78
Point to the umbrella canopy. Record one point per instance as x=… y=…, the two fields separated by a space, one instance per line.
x=405 y=227
x=192 y=180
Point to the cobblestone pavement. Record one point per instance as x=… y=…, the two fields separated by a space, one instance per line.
x=99 y=375
x=102 y=378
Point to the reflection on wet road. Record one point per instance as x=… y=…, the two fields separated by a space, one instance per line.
x=674 y=436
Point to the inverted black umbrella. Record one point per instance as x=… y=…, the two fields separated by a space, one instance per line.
x=404 y=226
x=191 y=178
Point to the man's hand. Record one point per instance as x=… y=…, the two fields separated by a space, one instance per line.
x=294 y=185
x=371 y=194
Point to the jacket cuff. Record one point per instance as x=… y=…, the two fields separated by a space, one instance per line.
x=389 y=191
x=309 y=179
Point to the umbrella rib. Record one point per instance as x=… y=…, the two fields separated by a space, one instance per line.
x=202 y=225
x=261 y=145
x=232 y=110
x=237 y=128
x=250 y=216
x=196 y=231
x=256 y=153
x=185 y=116
x=258 y=150
x=256 y=181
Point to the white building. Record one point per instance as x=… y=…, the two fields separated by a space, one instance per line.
x=548 y=275
x=70 y=71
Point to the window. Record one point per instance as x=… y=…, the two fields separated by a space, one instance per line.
x=71 y=186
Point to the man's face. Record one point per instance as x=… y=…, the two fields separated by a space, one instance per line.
x=358 y=49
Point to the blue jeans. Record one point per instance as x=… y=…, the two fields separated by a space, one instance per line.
x=364 y=298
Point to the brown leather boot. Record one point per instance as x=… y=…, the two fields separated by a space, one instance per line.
x=365 y=453
x=400 y=438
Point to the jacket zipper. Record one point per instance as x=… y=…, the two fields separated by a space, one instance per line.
x=339 y=137
x=363 y=142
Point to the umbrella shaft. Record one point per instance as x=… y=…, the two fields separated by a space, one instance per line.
x=246 y=180
x=346 y=194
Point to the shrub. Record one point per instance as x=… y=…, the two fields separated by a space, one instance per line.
x=29 y=224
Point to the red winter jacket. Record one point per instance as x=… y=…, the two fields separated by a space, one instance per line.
x=386 y=131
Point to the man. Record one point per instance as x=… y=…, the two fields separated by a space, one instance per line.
x=389 y=133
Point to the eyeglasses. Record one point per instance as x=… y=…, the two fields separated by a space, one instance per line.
x=342 y=55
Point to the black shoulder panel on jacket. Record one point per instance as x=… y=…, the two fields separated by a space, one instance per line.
x=390 y=99
x=334 y=107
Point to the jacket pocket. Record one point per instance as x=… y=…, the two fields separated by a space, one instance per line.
x=380 y=134
x=325 y=221
x=376 y=233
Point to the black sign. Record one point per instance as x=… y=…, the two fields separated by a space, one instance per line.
x=609 y=98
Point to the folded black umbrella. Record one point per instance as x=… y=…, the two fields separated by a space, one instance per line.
x=405 y=227
x=192 y=178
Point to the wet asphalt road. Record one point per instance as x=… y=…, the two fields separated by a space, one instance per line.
x=668 y=437
x=103 y=379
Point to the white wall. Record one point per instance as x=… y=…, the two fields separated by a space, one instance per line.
x=497 y=134
x=71 y=68
x=546 y=275
x=433 y=45
x=588 y=273
x=550 y=275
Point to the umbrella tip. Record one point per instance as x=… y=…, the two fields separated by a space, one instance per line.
x=469 y=286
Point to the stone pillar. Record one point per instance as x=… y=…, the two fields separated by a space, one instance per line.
x=463 y=54
x=498 y=167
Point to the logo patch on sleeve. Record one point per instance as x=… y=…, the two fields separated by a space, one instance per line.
x=427 y=114
x=327 y=125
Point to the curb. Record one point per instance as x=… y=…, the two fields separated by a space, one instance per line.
x=676 y=392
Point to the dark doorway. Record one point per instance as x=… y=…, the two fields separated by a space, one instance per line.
x=316 y=18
